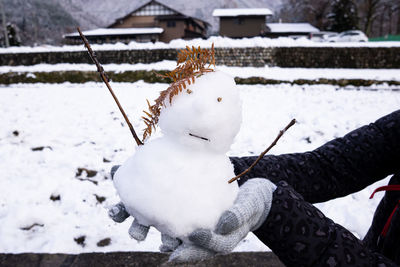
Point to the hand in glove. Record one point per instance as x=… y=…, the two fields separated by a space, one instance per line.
x=248 y=213
x=137 y=231
x=119 y=214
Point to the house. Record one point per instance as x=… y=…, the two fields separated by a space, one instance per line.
x=152 y=21
x=275 y=30
x=242 y=22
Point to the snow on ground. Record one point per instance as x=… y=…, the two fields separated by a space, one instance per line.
x=218 y=41
x=79 y=126
x=285 y=74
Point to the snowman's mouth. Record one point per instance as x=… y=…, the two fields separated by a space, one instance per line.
x=200 y=137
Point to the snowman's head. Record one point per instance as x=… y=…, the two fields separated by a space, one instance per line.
x=206 y=115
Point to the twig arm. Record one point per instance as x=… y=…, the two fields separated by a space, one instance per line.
x=291 y=123
x=106 y=81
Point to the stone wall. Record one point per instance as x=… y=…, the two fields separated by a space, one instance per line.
x=104 y=56
x=301 y=57
x=338 y=57
x=134 y=259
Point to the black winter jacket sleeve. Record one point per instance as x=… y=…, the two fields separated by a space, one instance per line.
x=338 y=168
x=296 y=230
x=300 y=235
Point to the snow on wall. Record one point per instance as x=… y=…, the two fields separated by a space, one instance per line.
x=179 y=43
x=286 y=74
x=234 y=12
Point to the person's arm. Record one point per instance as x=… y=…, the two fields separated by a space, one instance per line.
x=296 y=231
x=340 y=167
x=300 y=235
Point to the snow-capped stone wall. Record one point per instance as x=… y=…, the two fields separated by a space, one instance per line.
x=300 y=57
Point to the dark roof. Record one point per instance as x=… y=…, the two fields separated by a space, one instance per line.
x=154 y=1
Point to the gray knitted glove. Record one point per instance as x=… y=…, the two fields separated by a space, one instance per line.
x=138 y=231
x=169 y=244
x=190 y=252
x=248 y=212
x=113 y=170
x=119 y=214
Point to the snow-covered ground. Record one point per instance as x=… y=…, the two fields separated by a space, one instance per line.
x=79 y=126
x=284 y=74
x=218 y=41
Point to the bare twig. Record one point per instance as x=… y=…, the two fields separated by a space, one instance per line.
x=27 y=228
x=106 y=81
x=292 y=122
x=200 y=137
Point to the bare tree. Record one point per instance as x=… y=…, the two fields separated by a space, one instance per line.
x=292 y=11
x=398 y=21
x=369 y=9
x=379 y=17
x=314 y=12
x=3 y=18
x=375 y=17
x=319 y=11
x=395 y=6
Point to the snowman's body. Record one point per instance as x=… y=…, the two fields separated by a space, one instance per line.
x=179 y=182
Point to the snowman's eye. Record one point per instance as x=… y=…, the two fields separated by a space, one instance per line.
x=219 y=99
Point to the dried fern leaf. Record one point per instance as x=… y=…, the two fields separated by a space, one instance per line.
x=191 y=64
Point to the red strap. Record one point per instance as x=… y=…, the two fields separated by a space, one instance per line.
x=386 y=227
x=392 y=187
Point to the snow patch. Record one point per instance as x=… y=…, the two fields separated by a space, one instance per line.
x=83 y=126
x=218 y=41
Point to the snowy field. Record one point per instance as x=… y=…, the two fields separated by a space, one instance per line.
x=49 y=131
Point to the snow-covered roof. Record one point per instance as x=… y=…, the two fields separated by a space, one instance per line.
x=234 y=12
x=291 y=27
x=118 y=31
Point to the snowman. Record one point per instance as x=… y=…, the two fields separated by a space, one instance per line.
x=178 y=182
